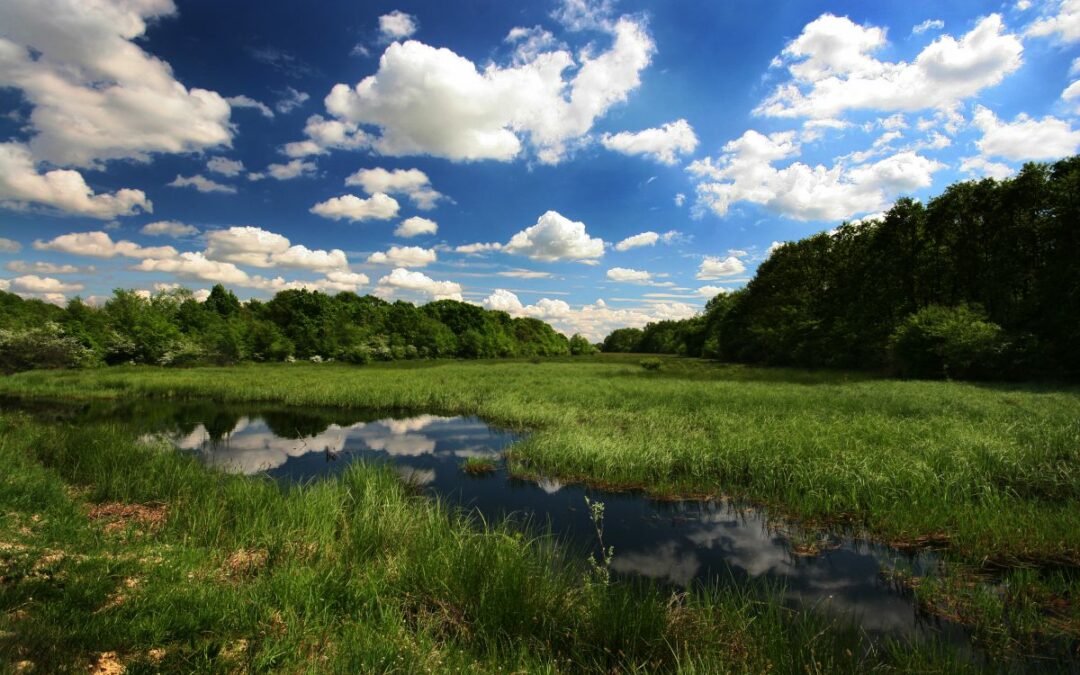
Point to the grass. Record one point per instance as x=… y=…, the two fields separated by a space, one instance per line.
x=478 y=466
x=986 y=472
x=115 y=552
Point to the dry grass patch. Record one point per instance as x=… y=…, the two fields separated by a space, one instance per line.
x=117 y=516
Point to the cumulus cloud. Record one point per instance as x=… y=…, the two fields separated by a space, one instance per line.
x=350 y=207
x=397 y=25
x=403 y=256
x=9 y=246
x=833 y=69
x=479 y=247
x=1063 y=23
x=415 y=226
x=100 y=245
x=225 y=166
x=625 y=274
x=324 y=135
x=194 y=265
x=647 y=239
x=169 y=228
x=983 y=167
x=402 y=279
x=201 y=183
x=664 y=144
x=680 y=199
x=432 y=101
x=32 y=283
x=555 y=237
x=718 y=268
x=594 y=321
x=1025 y=138
x=712 y=291
x=96 y=95
x=248 y=102
x=21 y=186
x=257 y=247
x=746 y=172
x=292 y=169
x=413 y=183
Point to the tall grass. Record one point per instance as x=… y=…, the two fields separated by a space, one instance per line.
x=352 y=574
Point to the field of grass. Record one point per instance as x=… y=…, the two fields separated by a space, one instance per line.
x=989 y=473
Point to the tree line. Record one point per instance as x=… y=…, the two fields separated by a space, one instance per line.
x=173 y=328
x=983 y=281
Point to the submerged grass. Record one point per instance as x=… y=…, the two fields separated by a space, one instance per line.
x=986 y=472
x=117 y=552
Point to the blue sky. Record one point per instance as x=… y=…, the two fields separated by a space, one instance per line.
x=593 y=164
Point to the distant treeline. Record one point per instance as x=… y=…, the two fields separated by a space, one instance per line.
x=981 y=282
x=173 y=328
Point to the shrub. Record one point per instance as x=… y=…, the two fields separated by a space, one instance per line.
x=580 y=345
x=939 y=341
x=45 y=347
x=651 y=364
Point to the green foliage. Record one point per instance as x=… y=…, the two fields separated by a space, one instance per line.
x=837 y=299
x=624 y=340
x=173 y=329
x=46 y=346
x=651 y=364
x=939 y=341
x=580 y=345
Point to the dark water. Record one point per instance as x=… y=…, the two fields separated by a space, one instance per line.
x=678 y=543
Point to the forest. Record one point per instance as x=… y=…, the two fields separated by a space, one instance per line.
x=173 y=328
x=981 y=282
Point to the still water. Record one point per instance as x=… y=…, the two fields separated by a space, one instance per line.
x=678 y=543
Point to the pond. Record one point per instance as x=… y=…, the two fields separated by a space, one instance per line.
x=675 y=542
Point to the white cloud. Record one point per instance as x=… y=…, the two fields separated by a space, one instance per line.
x=201 y=183
x=981 y=166
x=96 y=95
x=555 y=237
x=680 y=199
x=169 y=228
x=647 y=239
x=594 y=321
x=413 y=183
x=664 y=144
x=773 y=247
x=1071 y=91
x=257 y=247
x=323 y=135
x=64 y=189
x=290 y=100
x=403 y=280
x=1025 y=138
x=479 y=247
x=32 y=283
x=9 y=246
x=625 y=274
x=717 y=268
x=577 y=15
x=403 y=256
x=397 y=25
x=293 y=169
x=41 y=267
x=351 y=207
x=248 y=102
x=746 y=172
x=100 y=245
x=519 y=273
x=929 y=24
x=195 y=265
x=712 y=291
x=530 y=43
x=432 y=101
x=225 y=166
x=415 y=226
x=833 y=70
x=1022 y=5
x=1064 y=25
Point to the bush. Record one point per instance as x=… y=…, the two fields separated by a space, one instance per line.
x=939 y=341
x=45 y=347
x=651 y=364
x=580 y=346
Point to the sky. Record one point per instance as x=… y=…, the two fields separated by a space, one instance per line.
x=592 y=163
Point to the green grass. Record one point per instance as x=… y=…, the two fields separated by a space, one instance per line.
x=478 y=466
x=112 y=547
x=989 y=472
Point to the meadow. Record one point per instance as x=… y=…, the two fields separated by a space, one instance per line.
x=358 y=572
